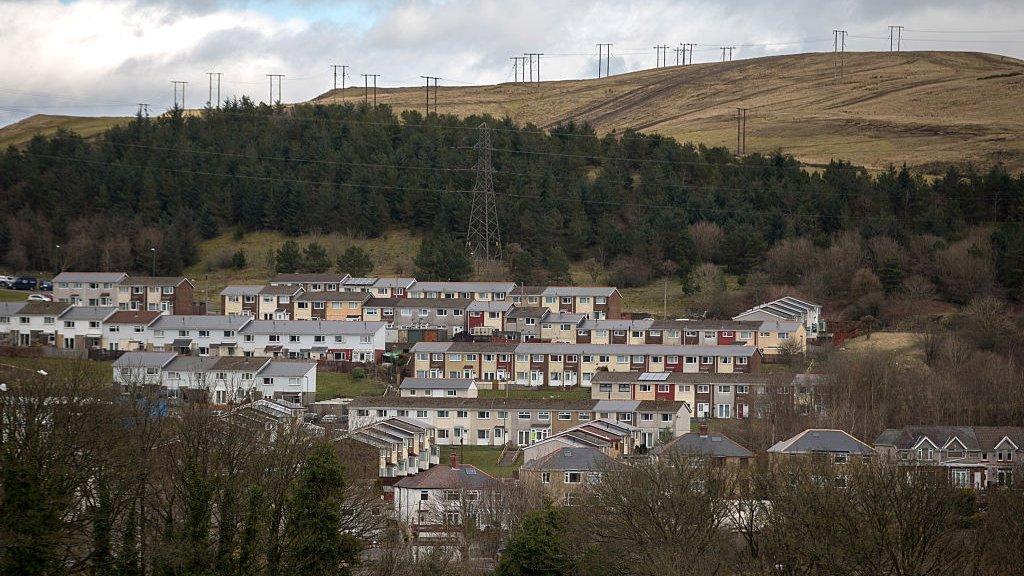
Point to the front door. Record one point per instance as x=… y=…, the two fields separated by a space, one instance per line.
x=523 y=438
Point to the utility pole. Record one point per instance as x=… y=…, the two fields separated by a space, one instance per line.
x=344 y=69
x=687 y=47
x=661 y=55
x=741 y=131
x=279 y=97
x=839 y=52
x=484 y=237
x=179 y=84
x=366 y=88
x=677 y=50
x=726 y=49
x=515 y=68
x=530 y=55
x=209 y=97
x=143 y=109
x=604 y=50
x=895 y=33
x=435 y=79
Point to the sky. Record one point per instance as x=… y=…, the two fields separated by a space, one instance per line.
x=100 y=57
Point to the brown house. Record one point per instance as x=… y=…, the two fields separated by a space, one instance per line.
x=165 y=294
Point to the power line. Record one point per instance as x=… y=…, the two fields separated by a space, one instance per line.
x=366 y=88
x=179 y=85
x=209 y=98
x=344 y=71
x=278 y=77
x=483 y=237
x=896 y=31
x=435 y=79
x=660 y=56
x=741 y=131
x=530 y=55
x=728 y=49
x=606 y=51
x=687 y=45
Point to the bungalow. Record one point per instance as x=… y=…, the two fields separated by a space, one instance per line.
x=87 y=288
x=970 y=456
x=719 y=448
x=832 y=446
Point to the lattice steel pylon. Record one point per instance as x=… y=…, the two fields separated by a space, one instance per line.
x=484 y=237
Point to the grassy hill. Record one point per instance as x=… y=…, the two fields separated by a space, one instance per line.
x=22 y=131
x=921 y=108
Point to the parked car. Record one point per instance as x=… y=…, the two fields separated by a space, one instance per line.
x=38 y=297
x=24 y=283
x=45 y=286
x=6 y=281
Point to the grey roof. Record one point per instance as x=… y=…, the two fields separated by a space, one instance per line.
x=565 y=318
x=489 y=305
x=189 y=363
x=97 y=313
x=281 y=290
x=816 y=440
x=430 y=347
x=973 y=438
x=242 y=290
x=697 y=325
x=579 y=291
x=394 y=282
x=463 y=286
x=311 y=327
x=436 y=383
x=303 y=278
x=10 y=308
x=598 y=349
x=456 y=403
x=452 y=303
x=332 y=296
x=604 y=376
x=199 y=322
x=102 y=277
x=779 y=326
x=570 y=458
x=356 y=281
x=528 y=312
x=465 y=476
x=695 y=444
x=287 y=368
x=154 y=280
x=144 y=359
x=642 y=324
x=616 y=405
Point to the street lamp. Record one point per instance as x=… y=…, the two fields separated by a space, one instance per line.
x=60 y=259
x=153 y=250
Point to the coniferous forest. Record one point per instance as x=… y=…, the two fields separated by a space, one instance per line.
x=632 y=202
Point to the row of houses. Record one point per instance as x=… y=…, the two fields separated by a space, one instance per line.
x=218 y=379
x=164 y=294
x=68 y=327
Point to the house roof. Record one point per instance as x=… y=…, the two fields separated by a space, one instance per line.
x=528 y=312
x=311 y=327
x=570 y=458
x=443 y=476
x=10 y=308
x=154 y=281
x=973 y=438
x=696 y=444
x=436 y=383
x=606 y=377
x=579 y=291
x=816 y=440
x=594 y=349
x=38 y=308
x=241 y=363
x=483 y=347
x=489 y=306
x=463 y=286
x=696 y=325
x=200 y=322
x=640 y=324
x=242 y=290
x=144 y=317
x=565 y=318
x=137 y=359
x=91 y=313
x=101 y=277
x=452 y=303
x=314 y=278
x=280 y=290
x=394 y=282
x=333 y=296
x=287 y=368
x=189 y=363
x=450 y=403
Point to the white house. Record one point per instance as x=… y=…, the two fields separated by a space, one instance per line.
x=792 y=309
x=205 y=335
x=315 y=339
x=445 y=495
x=141 y=368
x=439 y=387
x=81 y=327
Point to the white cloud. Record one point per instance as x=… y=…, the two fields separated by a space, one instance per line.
x=100 y=57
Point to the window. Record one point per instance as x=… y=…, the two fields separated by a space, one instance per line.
x=524 y=415
x=462 y=413
x=482 y=434
x=703 y=389
x=543 y=415
x=573 y=477
x=442 y=413
x=483 y=415
x=421 y=413
x=565 y=416
x=646 y=417
x=545 y=477
x=724 y=388
x=724 y=410
x=741 y=360
x=583 y=415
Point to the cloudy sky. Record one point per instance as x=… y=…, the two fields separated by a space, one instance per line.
x=97 y=57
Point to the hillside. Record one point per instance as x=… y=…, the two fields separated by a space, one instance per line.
x=22 y=131
x=915 y=107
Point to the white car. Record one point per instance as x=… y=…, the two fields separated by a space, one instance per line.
x=6 y=281
x=40 y=297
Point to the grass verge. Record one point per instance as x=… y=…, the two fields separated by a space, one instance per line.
x=339 y=385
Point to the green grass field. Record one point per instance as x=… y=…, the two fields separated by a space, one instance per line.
x=483 y=457
x=101 y=371
x=12 y=295
x=338 y=385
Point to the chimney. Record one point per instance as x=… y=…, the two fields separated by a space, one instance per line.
x=453 y=460
x=703 y=430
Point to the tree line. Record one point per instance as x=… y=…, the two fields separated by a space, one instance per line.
x=629 y=200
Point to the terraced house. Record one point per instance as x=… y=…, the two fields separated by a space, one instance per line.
x=443 y=314
x=789 y=309
x=328 y=305
x=969 y=456
x=128 y=330
x=486 y=291
x=708 y=395
x=521 y=421
x=595 y=302
x=203 y=335
x=164 y=294
x=34 y=323
x=380 y=287
x=311 y=282
x=550 y=364
x=88 y=288
x=314 y=339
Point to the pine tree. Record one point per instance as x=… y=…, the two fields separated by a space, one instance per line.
x=288 y=258
x=355 y=262
x=537 y=548
x=238 y=259
x=314 y=523
x=315 y=259
x=441 y=258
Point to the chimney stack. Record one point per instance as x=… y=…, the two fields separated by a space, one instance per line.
x=703 y=430
x=453 y=460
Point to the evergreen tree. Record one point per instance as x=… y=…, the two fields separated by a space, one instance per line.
x=238 y=259
x=442 y=258
x=288 y=258
x=557 y=266
x=206 y=224
x=355 y=262
x=537 y=547
x=314 y=520
x=30 y=522
x=315 y=259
